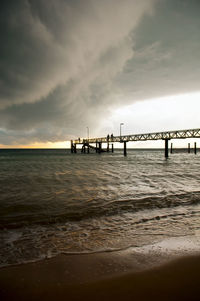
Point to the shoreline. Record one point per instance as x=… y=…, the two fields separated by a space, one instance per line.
x=105 y=276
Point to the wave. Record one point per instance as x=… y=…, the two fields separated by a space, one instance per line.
x=18 y=216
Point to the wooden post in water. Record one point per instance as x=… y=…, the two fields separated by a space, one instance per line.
x=108 y=147
x=112 y=148
x=195 y=148
x=84 y=148
x=125 y=152
x=72 y=146
x=96 y=147
x=171 y=148
x=188 y=148
x=99 y=147
x=88 y=148
x=166 y=148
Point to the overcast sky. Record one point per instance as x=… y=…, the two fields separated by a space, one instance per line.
x=69 y=64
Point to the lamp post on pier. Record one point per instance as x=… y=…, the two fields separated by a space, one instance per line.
x=88 y=149
x=120 y=129
x=125 y=153
x=87 y=132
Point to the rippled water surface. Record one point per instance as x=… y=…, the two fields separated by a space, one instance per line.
x=52 y=201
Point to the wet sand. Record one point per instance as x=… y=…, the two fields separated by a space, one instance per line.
x=102 y=277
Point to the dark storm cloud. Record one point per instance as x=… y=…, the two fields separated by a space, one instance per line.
x=58 y=60
x=166 y=57
x=64 y=63
x=47 y=43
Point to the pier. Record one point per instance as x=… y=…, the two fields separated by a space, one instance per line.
x=96 y=143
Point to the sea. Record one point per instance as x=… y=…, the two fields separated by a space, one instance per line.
x=53 y=202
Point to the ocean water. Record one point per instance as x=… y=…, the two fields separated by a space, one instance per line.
x=53 y=202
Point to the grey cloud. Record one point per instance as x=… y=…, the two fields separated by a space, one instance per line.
x=64 y=64
x=166 y=57
x=58 y=60
x=45 y=44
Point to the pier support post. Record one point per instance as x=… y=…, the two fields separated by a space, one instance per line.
x=171 y=150
x=195 y=148
x=72 y=146
x=166 y=148
x=188 y=148
x=112 y=148
x=125 y=152
x=108 y=147
x=88 y=148
x=99 y=147
x=84 y=148
x=96 y=147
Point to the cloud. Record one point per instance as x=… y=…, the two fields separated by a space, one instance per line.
x=166 y=57
x=64 y=64
x=49 y=44
x=58 y=60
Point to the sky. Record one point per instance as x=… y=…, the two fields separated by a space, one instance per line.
x=66 y=65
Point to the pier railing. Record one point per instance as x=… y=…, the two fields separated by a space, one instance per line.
x=181 y=134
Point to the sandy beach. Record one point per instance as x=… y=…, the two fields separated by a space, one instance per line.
x=101 y=277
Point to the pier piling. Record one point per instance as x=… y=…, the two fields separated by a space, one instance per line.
x=112 y=148
x=125 y=152
x=108 y=147
x=166 y=148
x=188 y=148
x=72 y=150
x=195 y=148
x=99 y=147
x=171 y=150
